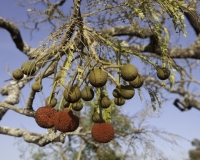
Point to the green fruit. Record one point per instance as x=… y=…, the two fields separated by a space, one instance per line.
x=28 y=68
x=77 y=106
x=116 y=93
x=129 y=72
x=138 y=82
x=105 y=102
x=66 y=104
x=72 y=94
x=17 y=74
x=52 y=103
x=127 y=92
x=97 y=77
x=119 y=101
x=96 y=117
x=162 y=73
x=37 y=86
x=87 y=94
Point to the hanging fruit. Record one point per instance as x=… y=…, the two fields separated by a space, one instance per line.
x=162 y=73
x=72 y=94
x=52 y=102
x=105 y=102
x=102 y=132
x=116 y=93
x=77 y=106
x=127 y=92
x=97 y=77
x=129 y=72
x=28 y=68
x=37 y=86
x=119 y=101
x=137 y=82
x=44 y=116
x=17 y=74
x=66 y=121
x=87 y=94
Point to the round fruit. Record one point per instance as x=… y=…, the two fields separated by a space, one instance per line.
x=96 y=117
x=105 y=102
x=138 y=82
x=97 y=77
x=77 y=106
x=119 y=101
x=28 y=68
x=66 y=104
x=37 y=86
x=74 y=124
x=116 y=93
x=17 y=74
x=129 y=72
x=87 y=94
x=44 y=116
x=102 y=132
x=66 y=121
x=162 y=73
x=52 y=103
x=72 y=94
x=127 y=92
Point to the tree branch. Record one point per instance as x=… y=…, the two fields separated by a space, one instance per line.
x=135 y=30
x=193 y=16
x=17 y=109
x=32 y=137
x=15 y=35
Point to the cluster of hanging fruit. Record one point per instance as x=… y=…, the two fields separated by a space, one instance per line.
x=65 y=120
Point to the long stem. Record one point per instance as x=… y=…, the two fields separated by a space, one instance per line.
x=118 y=63
x=100 y=108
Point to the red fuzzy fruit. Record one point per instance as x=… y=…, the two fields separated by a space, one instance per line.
x=66 y=121
x=44 y=116
x=102 y=132
x=74 y=123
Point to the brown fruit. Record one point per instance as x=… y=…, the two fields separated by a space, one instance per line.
x=28 y=68
x=66 y=121
x=37 y=86
x=105 y=102
x=74 y=124
x=119 y=101
x=17 y=74
x=162 y=73
x=116 y=93
x=138 y=82
x=102 y=132
x=127 y=92
x=97 y=77
x=72 y=94
x=44 y=116
x=52 y=103
x=129 y=72
x=87 y=94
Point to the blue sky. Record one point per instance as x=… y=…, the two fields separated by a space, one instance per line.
x=171 y=119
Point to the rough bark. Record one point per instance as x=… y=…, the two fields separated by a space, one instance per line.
x=15 y=35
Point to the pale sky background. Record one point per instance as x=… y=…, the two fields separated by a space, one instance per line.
x=185 y=124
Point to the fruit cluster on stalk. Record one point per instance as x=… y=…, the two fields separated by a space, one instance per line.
x=65 y=120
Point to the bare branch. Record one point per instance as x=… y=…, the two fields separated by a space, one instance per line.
x=193 y=16
x=15 y=35
x=17 y=109
x=135 y=30
x=32 y=137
